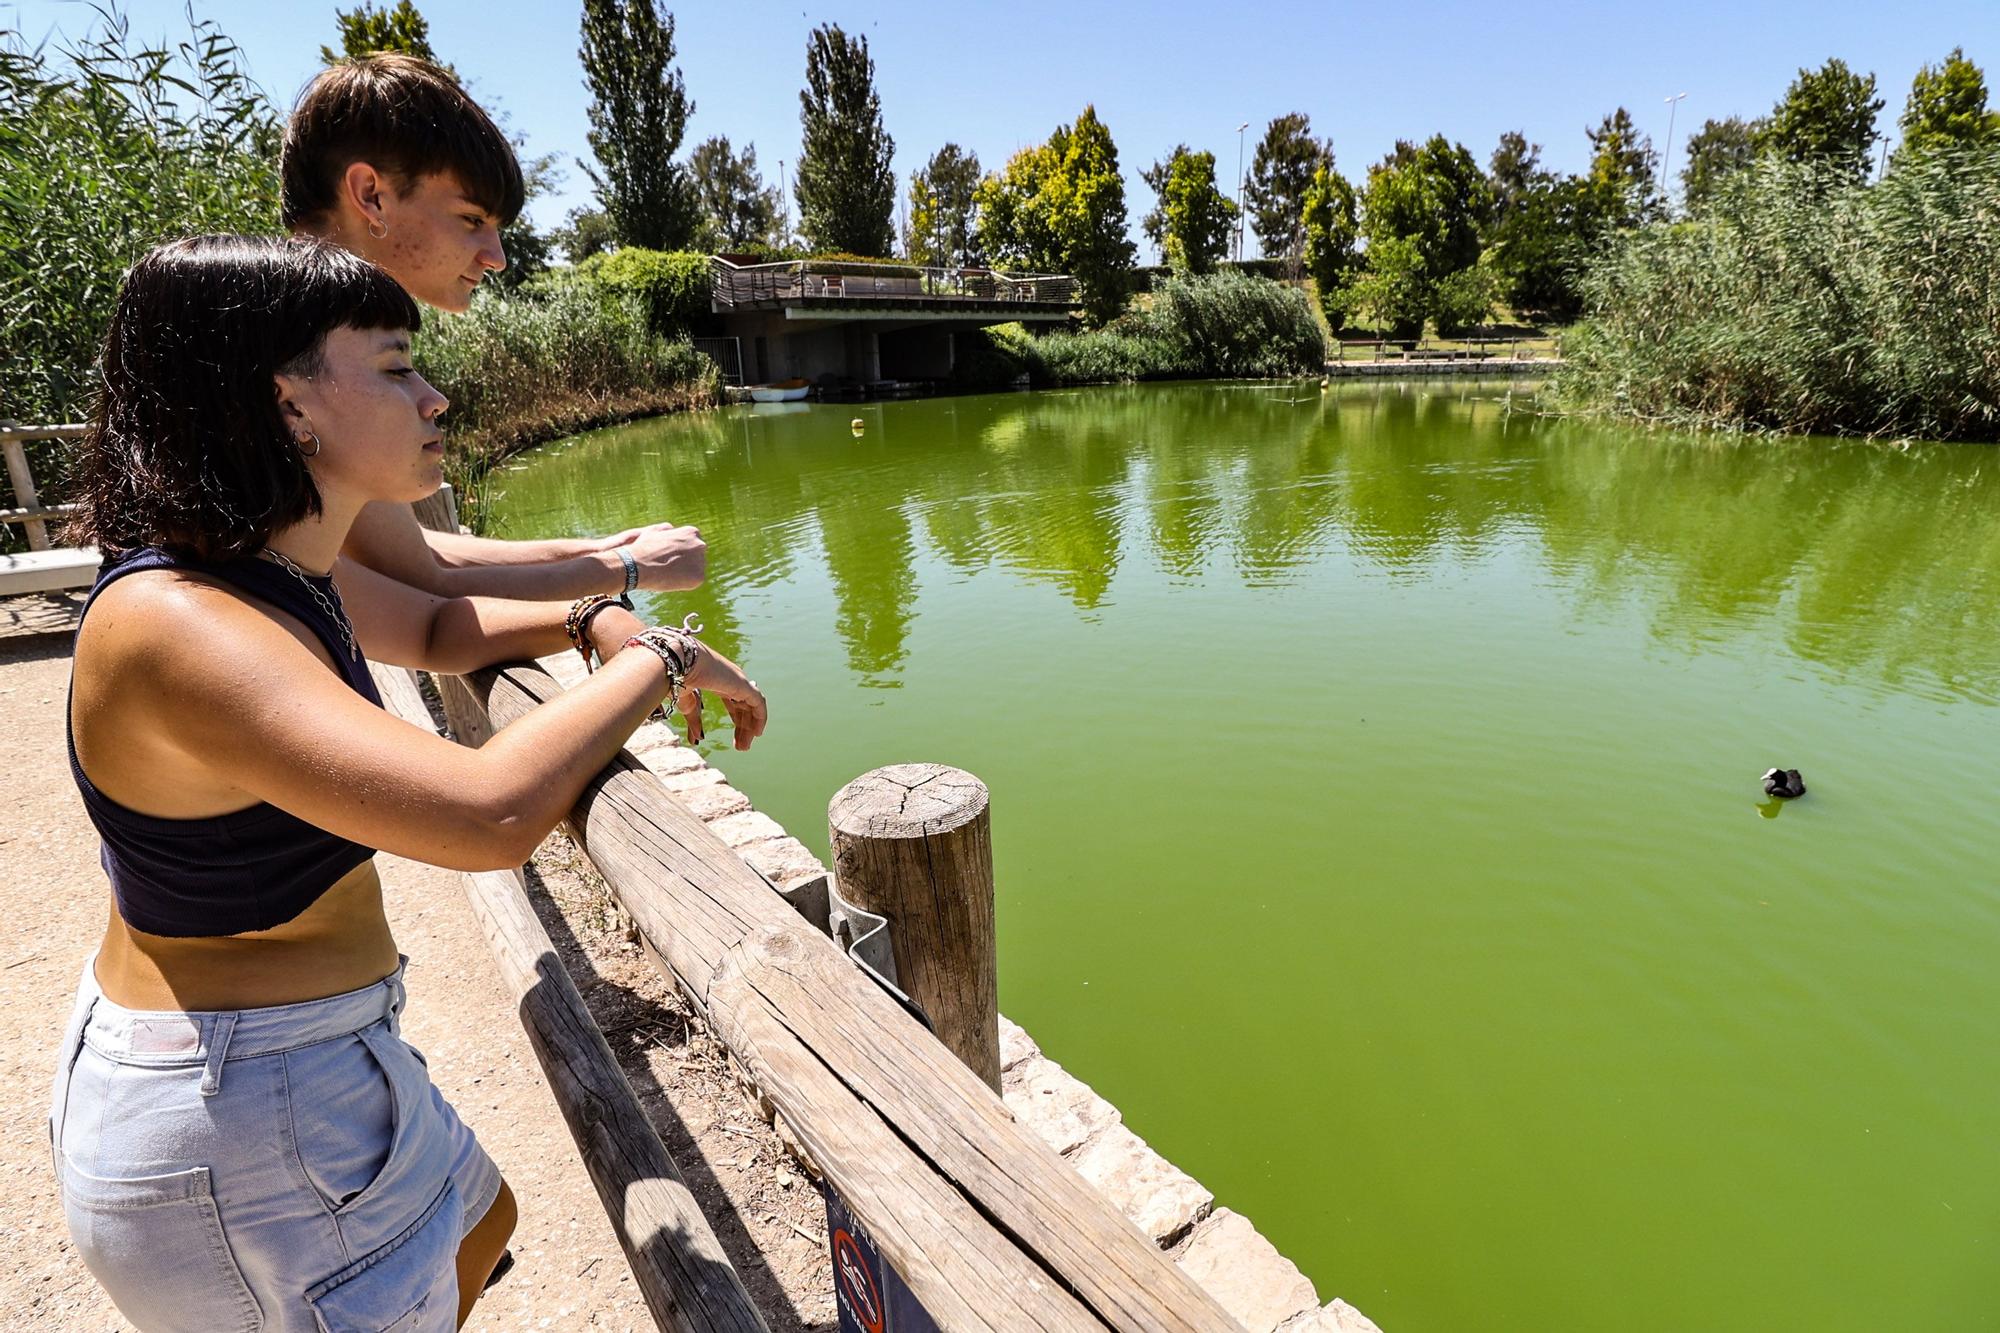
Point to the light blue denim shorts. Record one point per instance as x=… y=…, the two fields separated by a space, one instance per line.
x=277 y=1169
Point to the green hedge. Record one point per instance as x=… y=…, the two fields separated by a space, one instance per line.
x=672 y=286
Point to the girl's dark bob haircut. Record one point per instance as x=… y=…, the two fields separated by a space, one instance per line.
x=187 y=449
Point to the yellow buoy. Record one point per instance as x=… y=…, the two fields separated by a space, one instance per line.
x=857 y=425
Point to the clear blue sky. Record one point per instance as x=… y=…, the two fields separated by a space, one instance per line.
x=997 y=77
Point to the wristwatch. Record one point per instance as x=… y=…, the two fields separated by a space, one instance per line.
x=631 y=575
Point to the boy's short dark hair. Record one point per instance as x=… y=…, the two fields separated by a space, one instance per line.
x=188 y=448
x=404 y=116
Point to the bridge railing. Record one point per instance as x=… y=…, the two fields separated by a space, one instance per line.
x=733 y=285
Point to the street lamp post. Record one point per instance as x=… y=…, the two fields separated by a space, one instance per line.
x=784 y=209
x=1239 y=189
x=1673 y=107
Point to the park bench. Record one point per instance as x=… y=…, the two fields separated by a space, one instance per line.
x=42 y=567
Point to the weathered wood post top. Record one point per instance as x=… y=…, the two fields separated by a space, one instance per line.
x=913 y=843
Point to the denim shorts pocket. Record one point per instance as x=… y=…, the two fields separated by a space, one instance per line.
x=345 y=1111
x=409 y=1285
x=156 y=1244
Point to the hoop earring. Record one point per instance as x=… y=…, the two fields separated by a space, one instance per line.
x=377 y=228
x=300 y=445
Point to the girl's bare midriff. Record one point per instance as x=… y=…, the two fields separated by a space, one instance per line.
x=340 y=943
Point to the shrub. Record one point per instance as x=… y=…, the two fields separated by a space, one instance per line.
x=672 y=286
x=1802 y=303
x=564 y=356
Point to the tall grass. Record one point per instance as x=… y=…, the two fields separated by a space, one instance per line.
x=1225 y=325
x=546 y=360
x=1803 y=304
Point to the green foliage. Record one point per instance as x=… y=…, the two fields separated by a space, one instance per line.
x=1060 y=208
x=366 y=30
x=1465 y=298
x=1275 y=194
x=1221 y=325
x=1512 y=171
x=1198 y=218
x=1802 y=301
x=559 y=356
x=107 y=148
x=1154 y=224
x=638 y=114
x=1947 y=107
x=1421 y=212
x=1331 y=226
x=585 y=232
x=672 y=287
x=1622 y=171
x=943 y=197
x=1541 y=243
x=1826 y=117
x=738 y=209
x=846 y=188
x=1716 y=151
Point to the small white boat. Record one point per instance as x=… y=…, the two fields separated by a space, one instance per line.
x=785 y=391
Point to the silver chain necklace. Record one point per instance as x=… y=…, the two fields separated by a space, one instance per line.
x=334 y=610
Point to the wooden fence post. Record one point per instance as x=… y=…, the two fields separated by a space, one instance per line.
x=913 y=843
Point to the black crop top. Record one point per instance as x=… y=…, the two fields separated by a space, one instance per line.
x=249 y=870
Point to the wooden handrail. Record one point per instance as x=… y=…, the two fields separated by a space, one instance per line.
x=677 y=1263
x=987 y=1225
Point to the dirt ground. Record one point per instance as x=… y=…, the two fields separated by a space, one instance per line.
x=570 y=1273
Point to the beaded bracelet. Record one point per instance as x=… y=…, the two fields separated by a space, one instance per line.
x=676 y=647
x=577 y=623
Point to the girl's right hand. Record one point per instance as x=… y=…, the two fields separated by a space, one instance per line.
x=748 y=712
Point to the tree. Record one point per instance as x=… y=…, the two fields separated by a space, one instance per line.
x=943 y=196
x=1421 y=212
x=1827 y=117
x=845 y=188
x=738 y=210
x=1540 y=246
x=1154 y=224
x=366 y=30
x=1511 y=172
x=638 y=114
x=1947 y=107
x=1330 y=222
x=1282 y=169
x=1716 y=151
x=1198 y=217
x=1623 y=173
x=1060 y=207
x=585 y=232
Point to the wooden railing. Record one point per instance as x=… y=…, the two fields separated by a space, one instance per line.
x=28 y=507
x=987 y=1226
x=734 y=285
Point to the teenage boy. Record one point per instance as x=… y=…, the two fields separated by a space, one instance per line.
x=388 y=157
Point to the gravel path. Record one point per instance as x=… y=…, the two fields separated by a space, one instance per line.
x=570 y=1272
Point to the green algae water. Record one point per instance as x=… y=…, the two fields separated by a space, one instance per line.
x=1377 y=819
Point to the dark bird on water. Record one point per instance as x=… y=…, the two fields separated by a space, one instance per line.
x=1784 y=783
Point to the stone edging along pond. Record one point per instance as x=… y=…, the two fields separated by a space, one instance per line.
x=1219 y=1248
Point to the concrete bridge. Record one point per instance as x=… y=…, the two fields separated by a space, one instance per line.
x=801 y=319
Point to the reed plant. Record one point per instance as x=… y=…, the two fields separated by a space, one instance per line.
x=550 y=359
x=1799 y=302
x=1225 y=325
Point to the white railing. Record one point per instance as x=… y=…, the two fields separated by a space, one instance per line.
x=798 y=280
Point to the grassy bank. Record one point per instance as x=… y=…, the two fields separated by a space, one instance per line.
x=1802 y=304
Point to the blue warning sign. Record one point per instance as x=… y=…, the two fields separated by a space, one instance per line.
x=872 y=1296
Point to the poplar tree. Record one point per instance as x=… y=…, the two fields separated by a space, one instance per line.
x=1947 y=107
x=366 y=30
x=738 y=209
x=1199 y=219
x=845 y=187
x=1275 y=194
x=1330 y=222
x=1826 y=117
x=1154 y=224
x=943 y=196
x=638 y=115
x=1060 y=208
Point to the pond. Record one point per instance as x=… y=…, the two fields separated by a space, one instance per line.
x=1377 y=818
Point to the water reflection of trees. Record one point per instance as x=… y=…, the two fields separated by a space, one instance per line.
x=1870 y=561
